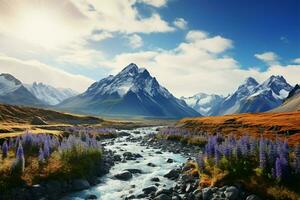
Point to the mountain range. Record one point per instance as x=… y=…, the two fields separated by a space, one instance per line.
x=13 y=91
x=205 y=104
x=50 y=95
x=132 y=92
x=250 y=97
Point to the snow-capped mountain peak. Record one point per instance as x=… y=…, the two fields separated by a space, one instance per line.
x=131 y=78
x=254 y=97
x=8 y=84
x=133 y=91
x=49 y=94
x=278 y=85
x=205 y=104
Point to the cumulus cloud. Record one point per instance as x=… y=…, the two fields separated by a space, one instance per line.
x=100 y=36
x=268 y=57
x=29 y=71
x=155 y=3
x=123 y=16
x=135 y=41
x=180 y=23
x=296 y=60
x=199 y=64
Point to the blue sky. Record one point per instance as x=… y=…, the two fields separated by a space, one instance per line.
x=186 y=44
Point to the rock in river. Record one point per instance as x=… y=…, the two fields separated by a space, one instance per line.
x=124 y=176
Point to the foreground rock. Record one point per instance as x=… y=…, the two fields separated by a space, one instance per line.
x=124 y=176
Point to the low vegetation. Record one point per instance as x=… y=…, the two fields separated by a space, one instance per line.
x=183 y=135
x=269 y=167
x=32 y=158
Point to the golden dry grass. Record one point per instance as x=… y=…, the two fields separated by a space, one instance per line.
x=270 y=124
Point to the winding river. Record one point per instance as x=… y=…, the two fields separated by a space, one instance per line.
x=111 y=188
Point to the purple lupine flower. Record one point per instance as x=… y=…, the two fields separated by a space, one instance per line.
x=297 y=159
x=278 y=167
x=46 y=149
x=20 y=160
x=262 y=155
x=4 y=149
x=20 y=151
x=217 y=155
x=41 y=155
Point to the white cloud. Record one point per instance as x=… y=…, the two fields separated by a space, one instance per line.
x=199 y=64
x=123 y=16
x=268 y=57
x=155 y=3
x=135 y=41
x=31 y=70
x=180 y=23
x=296 y=60
x=100 y=36
x=290 y=72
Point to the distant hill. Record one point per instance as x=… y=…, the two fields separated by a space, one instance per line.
x=22 y=114
x=132 y=92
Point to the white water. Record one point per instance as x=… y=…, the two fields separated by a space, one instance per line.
x=113 y=189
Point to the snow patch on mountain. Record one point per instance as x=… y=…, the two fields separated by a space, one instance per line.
x=48 y=94
x=8 y=84
x=205 y=104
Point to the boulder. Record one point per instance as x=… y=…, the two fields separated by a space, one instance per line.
x=172 y=174
x=232 y=193
x=155 y=179
x=91 y=197
x=149 y=189
x=151 y=165
x=124 y=176
x=207 y=194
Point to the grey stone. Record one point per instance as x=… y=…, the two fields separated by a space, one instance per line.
x=173 y=174
x=124 y=176
x=149 y=189
x=231 y=193
x=207 y=193
x=91 y=197
x=155 y=179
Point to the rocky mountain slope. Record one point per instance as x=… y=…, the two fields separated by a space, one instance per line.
x=249 y=97
x=132 y=92
x=205 y=104
x=12 y=91
x=50 y=95
x=292 y=102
